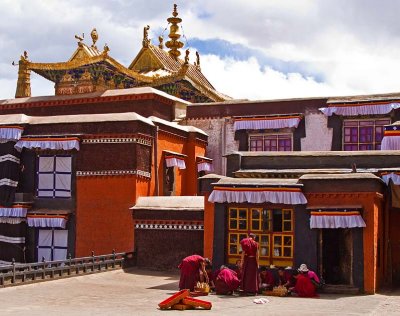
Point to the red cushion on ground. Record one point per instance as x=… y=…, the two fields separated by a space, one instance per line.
x=196 y=302
x=174 y=299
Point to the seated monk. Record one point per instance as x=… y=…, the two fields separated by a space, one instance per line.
x=266 y=280
x=285 y=278
x=304 y=287
x=226 y=281
x=211 y=276
x=238 y=269
x=193 y=271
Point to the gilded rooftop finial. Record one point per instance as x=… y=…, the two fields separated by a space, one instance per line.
x=94 y=37
x=174 y=44
x=146 y=40
x=197 y=62
x=187 y=52
x=161 y=40
x=80 y=38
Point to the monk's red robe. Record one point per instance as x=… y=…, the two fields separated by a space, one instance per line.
x=190 y=272
x=226 y=281
x=249 y=282
x=267 y=278
x=304 y=287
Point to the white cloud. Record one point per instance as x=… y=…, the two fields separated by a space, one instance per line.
x=351 y=46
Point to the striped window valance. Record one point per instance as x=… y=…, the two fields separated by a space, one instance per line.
x=276 y=195
x=266 y=122
x=52 y=221
x=10 y=133
x=12 y=240
x=336 y=219
x=391 y=138
x=360 y=109
x=12 y=220
x=56 y=143
x=204 y=164
x=15 y=211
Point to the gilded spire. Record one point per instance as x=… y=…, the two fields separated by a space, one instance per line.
x=24 y=78
x=174 y=44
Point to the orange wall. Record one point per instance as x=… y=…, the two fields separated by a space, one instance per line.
x=372 y=207
x=208 y=227
x=103 y=219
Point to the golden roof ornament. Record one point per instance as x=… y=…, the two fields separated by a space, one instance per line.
x=94 y=37
x=161 y=42
x=197 y=62
x=174 y=44
x=146 y=40
x=80 y=39
x=187 y=52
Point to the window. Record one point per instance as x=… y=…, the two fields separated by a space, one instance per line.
x=52 y=244
x=274 y=230
x=54 y=176
x=363 y=134
x=270 y=142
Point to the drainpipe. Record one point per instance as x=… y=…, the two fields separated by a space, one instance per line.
x=156 y=160
x=223 y=145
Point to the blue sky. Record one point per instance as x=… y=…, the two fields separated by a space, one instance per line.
x=249 y=49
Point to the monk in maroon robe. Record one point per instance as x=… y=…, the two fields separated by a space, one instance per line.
x=266 y=280
x=304 y=287
x=226 y=281
x=285 y=278
x=250 y=255
x=192 y=271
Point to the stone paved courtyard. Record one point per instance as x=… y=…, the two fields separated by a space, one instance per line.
x=137 y=292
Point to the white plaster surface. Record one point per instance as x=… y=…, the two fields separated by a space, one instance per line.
x=318 y=135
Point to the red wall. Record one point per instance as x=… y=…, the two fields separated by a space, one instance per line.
x=103 y=219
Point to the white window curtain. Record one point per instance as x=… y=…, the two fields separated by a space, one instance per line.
x=344 y=219
x=260 y=195
x=52 y=244
x=266 y=123
x=204 y=166
x=47 y=221
x=395 y=177
x=54 y=176
x=10 y=133
x=17 y=211
x=175 y=162
x=373 y=109
x=48 y=143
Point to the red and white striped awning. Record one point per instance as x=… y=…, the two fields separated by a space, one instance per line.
x=52 y=221
x=276 y=195
x=10 y=133
x=359 y=109
x=266 y=122
x=336 y=219
x=59 y=143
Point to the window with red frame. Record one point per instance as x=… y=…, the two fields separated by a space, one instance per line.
x=363 y=134
x=270 y=142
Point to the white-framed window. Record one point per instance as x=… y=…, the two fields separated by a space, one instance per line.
x=364 y=134
x=54 y=176
x=271 y=142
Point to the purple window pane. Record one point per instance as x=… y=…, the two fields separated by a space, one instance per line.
x=347 y=139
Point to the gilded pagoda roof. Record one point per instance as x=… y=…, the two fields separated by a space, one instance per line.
x=90 y=69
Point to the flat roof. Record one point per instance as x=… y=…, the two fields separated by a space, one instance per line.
x=249 y=172
x=365 y=98
x=185 y=203
x=94 y=95
x=336 y=176
x=315 y=153
x=186 y=128
x=258 y=182
x=81 y=118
